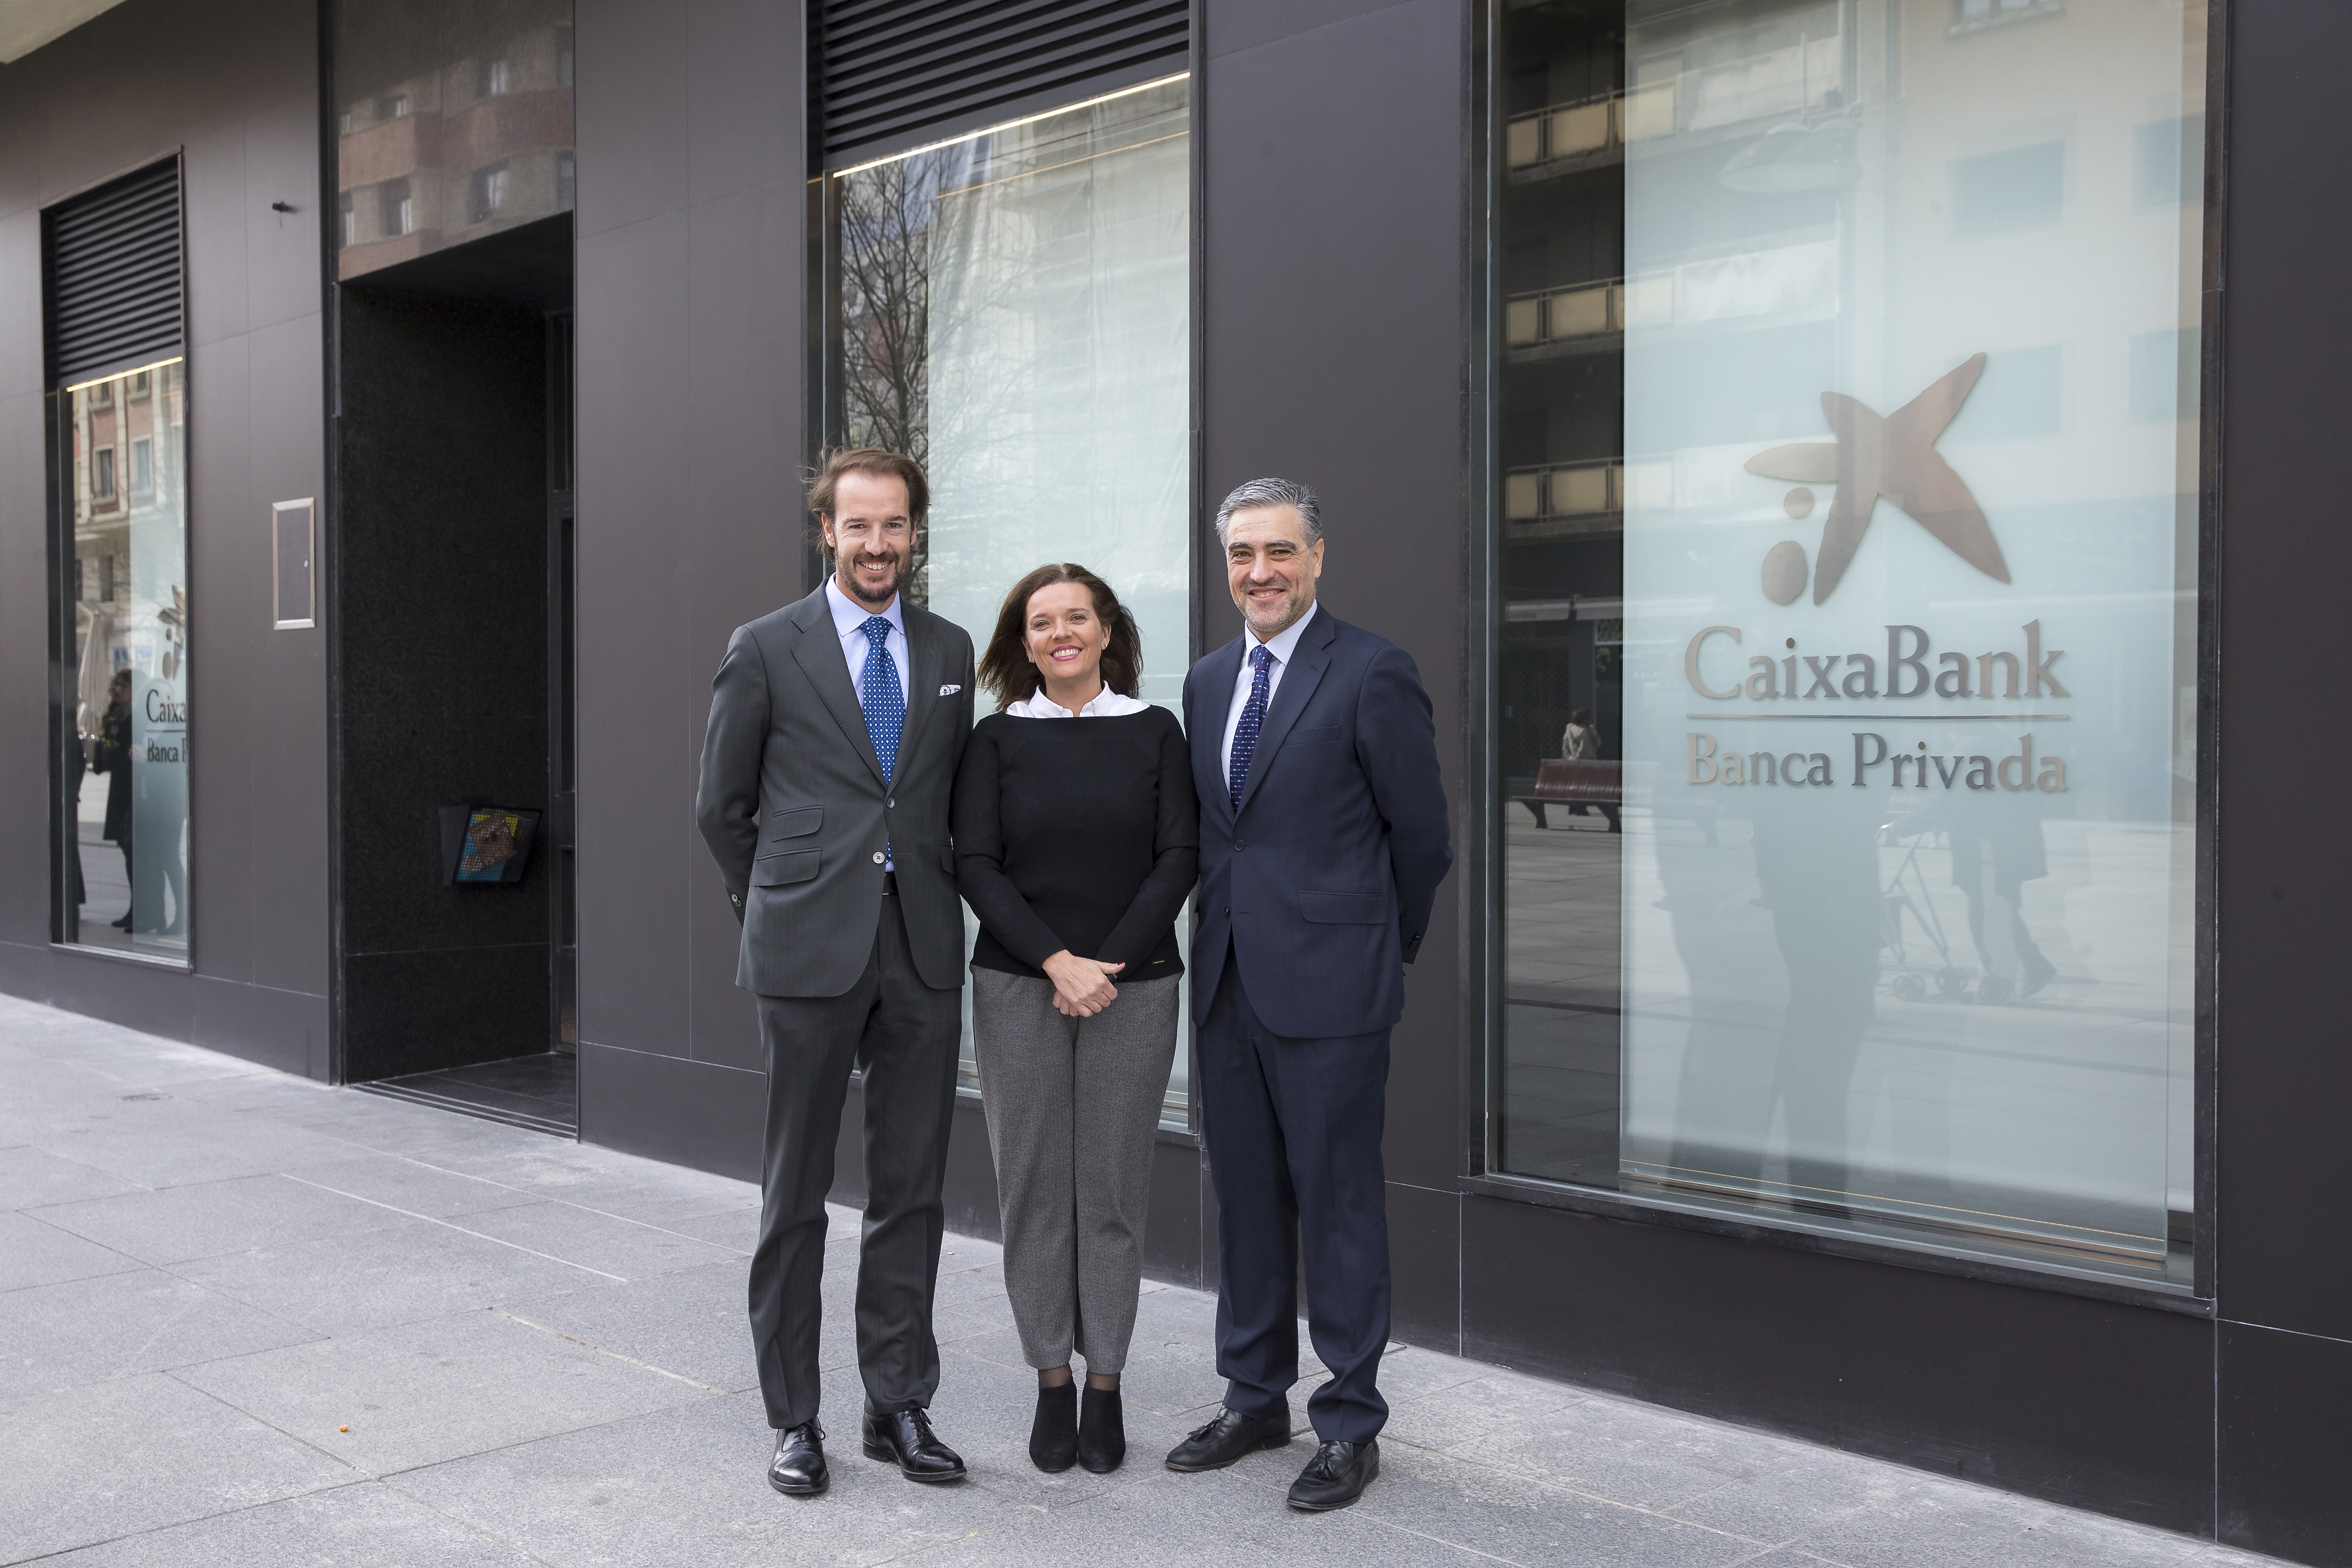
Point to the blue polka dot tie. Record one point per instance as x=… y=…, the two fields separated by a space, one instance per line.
x=1253 y=715
x=884 y=702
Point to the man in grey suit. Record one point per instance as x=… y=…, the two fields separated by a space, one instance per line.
x=836 y=725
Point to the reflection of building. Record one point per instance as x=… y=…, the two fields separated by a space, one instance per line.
x=462 y=148
x=1408 y=281
x=127 y=438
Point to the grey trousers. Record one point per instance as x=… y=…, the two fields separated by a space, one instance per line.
x=1072 y=1106
x=904 y=1034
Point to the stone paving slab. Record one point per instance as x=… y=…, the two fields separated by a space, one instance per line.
x=247 y=1320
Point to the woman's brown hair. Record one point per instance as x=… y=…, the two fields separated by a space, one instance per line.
x=1005 y=668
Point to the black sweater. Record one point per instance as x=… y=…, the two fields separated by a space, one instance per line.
x=1081 y=834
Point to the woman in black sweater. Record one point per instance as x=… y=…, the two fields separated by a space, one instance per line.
x=1076 y=845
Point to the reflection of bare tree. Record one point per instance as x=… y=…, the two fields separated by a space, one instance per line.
x=885 y=252
x=890 y=218
x=1009 y=255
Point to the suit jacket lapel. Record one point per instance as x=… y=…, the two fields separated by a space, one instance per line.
x=923 y=671
x=818 y=653
x=1308 y=660
x=1219 y=671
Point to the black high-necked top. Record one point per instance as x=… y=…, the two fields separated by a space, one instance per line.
x=1077 y=833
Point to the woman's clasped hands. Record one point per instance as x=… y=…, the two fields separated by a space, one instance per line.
x=1082 y=986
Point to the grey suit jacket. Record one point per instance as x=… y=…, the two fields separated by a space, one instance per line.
x=788 y=742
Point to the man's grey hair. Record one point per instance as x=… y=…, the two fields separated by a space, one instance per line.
x=1275 y=492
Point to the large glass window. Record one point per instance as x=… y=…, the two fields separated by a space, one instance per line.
x=125 y=773
x=1844 y=717
x=1014 y=311
x=453 y=122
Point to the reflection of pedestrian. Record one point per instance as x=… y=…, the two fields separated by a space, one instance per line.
x=77 y=769
x=1581 y=742
x=113 y=760
x=1996 y=849
x=1816 y=867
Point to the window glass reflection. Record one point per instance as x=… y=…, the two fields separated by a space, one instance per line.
x=453 y=123
x=1016 y=314
x=125 y=848
x=1848 y=373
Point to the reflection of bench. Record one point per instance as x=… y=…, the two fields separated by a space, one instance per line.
x=1563 y=781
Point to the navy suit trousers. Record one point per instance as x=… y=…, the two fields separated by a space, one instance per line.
x=1293 y=1128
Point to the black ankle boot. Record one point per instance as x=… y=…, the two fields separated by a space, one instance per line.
x=1053 y=1435
x=1102 y=1431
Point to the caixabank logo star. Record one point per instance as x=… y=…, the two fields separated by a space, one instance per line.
x=1892 y=458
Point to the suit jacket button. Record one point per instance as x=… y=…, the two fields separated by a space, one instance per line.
x=1239 y=846
x=877 y=857
x=890 y=804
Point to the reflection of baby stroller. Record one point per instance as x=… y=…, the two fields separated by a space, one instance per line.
x=1907 y=894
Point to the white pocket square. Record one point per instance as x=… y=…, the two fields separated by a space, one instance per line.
x=949 y=691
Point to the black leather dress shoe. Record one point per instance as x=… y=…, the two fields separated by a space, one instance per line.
x=1227 y=1438
x=1336 y=1475
x=798 y=1469
x=904 y=1438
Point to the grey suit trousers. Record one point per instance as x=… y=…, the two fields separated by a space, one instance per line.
x=1072 y=1105
x=904 y=1034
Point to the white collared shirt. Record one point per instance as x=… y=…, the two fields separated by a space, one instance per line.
x=849 y=619
x=1282 y=645
x=1107 y=704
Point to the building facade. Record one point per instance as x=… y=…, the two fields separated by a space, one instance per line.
x=1851 y=474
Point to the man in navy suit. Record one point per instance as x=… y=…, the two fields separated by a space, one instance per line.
x=1323 y=839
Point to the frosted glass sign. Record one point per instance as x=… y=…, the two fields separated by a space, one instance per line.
x=1909 y=619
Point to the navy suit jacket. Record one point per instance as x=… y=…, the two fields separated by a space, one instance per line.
x=1323 y=878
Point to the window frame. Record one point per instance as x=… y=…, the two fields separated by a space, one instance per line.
x=1481 y=892
x=64 y=579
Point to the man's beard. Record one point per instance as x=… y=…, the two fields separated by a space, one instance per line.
x=903 y=566
x=1286 y=610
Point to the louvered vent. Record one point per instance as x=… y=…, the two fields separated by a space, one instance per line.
x=889 y=70
x=114 y=276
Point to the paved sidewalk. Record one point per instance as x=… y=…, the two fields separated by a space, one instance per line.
x=248 y=1320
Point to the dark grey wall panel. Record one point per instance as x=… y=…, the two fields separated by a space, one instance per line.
x=2286 y=1171
x=1172 y=1229
x=232 y=86
x=667 y=1108
x=2284 y=1167
x=281 y=693
x=2280 y=1478
x=1334 y=200
x=689 y=318
x=631 y=105
x=25 y=652
x=2085 y=1403
x=285 y=1029
x=1239 y=25
x=1426 y=1265
x=637 y=848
